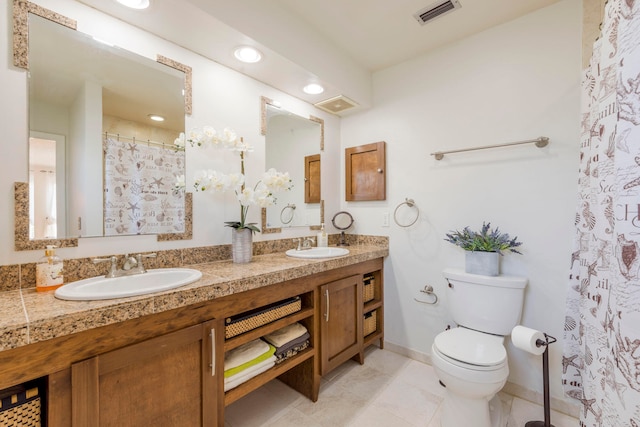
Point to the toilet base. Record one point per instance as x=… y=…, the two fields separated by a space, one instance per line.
x=460 y=411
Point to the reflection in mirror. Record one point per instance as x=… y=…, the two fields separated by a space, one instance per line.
x=98 y=99
x=293 y=144
x=46 y=185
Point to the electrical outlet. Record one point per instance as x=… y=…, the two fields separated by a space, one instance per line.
x=385 y=219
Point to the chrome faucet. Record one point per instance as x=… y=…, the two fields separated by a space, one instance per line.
x=132 y=265
x=303 y=243
x=307 y=242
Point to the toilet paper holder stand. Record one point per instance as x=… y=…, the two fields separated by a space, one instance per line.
x=545 y=376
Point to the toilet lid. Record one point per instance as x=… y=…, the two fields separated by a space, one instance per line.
x=472 y=347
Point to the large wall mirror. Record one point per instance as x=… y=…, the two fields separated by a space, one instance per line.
x=100 y=165
x=293 y=144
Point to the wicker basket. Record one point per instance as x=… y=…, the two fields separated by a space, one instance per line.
x=369 y=285
x=249 y=320
x=20 y=408
x=370 y=322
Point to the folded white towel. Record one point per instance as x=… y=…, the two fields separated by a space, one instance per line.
x=247 y=374
x=284 y=335
x=244 y=353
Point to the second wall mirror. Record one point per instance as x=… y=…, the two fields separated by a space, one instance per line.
x=293 y=144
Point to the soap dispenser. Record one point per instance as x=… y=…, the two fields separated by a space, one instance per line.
x=49 y=271
x=323 y=240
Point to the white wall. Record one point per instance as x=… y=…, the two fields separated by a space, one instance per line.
x=221 y=98
x=514 y=82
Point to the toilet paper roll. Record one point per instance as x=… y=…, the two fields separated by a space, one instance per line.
x=525 y=339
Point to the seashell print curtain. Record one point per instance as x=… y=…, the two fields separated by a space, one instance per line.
x=139 y=196
x=601 y=360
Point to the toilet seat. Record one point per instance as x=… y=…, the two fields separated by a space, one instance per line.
x=471 y=349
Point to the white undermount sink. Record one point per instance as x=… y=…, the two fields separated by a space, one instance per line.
x=316 y=252
x=155 y=280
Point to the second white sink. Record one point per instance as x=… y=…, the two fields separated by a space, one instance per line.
x=327 y=252
x=155 y=280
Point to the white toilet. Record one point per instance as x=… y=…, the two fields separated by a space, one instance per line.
x=470 y=360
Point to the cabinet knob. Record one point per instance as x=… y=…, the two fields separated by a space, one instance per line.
x=380 y=170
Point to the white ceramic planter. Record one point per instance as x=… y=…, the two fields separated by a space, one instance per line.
x=484 y=263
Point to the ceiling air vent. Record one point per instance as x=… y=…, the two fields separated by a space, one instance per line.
x=337 y=104
x=436 y=10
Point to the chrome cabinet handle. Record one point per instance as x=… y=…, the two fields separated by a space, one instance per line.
x=212 y=334
x=326 y=312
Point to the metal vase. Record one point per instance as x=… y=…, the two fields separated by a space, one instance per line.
x=484 y=263
x=241 y=245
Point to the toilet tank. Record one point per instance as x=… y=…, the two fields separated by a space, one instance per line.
x=491 y=304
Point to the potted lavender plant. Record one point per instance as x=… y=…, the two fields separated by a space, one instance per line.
x=483 y=248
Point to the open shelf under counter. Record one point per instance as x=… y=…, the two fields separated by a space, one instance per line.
x=263 y=378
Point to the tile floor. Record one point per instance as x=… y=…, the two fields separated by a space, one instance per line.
x=388 y=390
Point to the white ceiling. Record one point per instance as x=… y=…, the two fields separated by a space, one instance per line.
x=338 y=43
x=382 y=33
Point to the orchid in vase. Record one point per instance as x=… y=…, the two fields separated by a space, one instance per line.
x=261 y=194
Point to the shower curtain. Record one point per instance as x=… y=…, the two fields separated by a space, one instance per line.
x=139 y=196
x=601 y=360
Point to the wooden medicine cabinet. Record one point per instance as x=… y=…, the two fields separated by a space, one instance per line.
x=365 y=172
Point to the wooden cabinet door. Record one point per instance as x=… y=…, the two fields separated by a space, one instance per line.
x=312 y=179
x=365 y=172
x=340 y=321
x=164 y=381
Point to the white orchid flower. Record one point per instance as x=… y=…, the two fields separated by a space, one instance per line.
x=236 y=180
x=181 y=182
x=210 y=135
x=261 y=194
x=180 y=141
x=246 y=197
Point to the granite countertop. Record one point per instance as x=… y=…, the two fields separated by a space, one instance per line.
x=29 y=317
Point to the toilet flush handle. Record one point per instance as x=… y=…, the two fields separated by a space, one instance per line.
x=449 y=284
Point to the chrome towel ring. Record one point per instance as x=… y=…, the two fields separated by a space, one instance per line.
x=290 y=207
x=411 y=204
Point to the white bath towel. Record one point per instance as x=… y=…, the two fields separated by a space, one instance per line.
x=247 y=374
x=284 y=335
x=244 y=353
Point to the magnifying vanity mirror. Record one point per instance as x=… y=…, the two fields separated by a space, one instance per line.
x=99 y=165
x=293 y=144
x=342 y=221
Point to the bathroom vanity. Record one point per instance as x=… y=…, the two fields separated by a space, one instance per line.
x=159 y=359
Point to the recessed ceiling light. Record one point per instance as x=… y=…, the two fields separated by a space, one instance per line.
x=135 y=4
x=247 y=54
x=156 y=118
x=313 y=89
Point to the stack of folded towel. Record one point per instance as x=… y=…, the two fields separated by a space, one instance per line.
x=253 y=358
x=288 y=341
x=246 y=361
